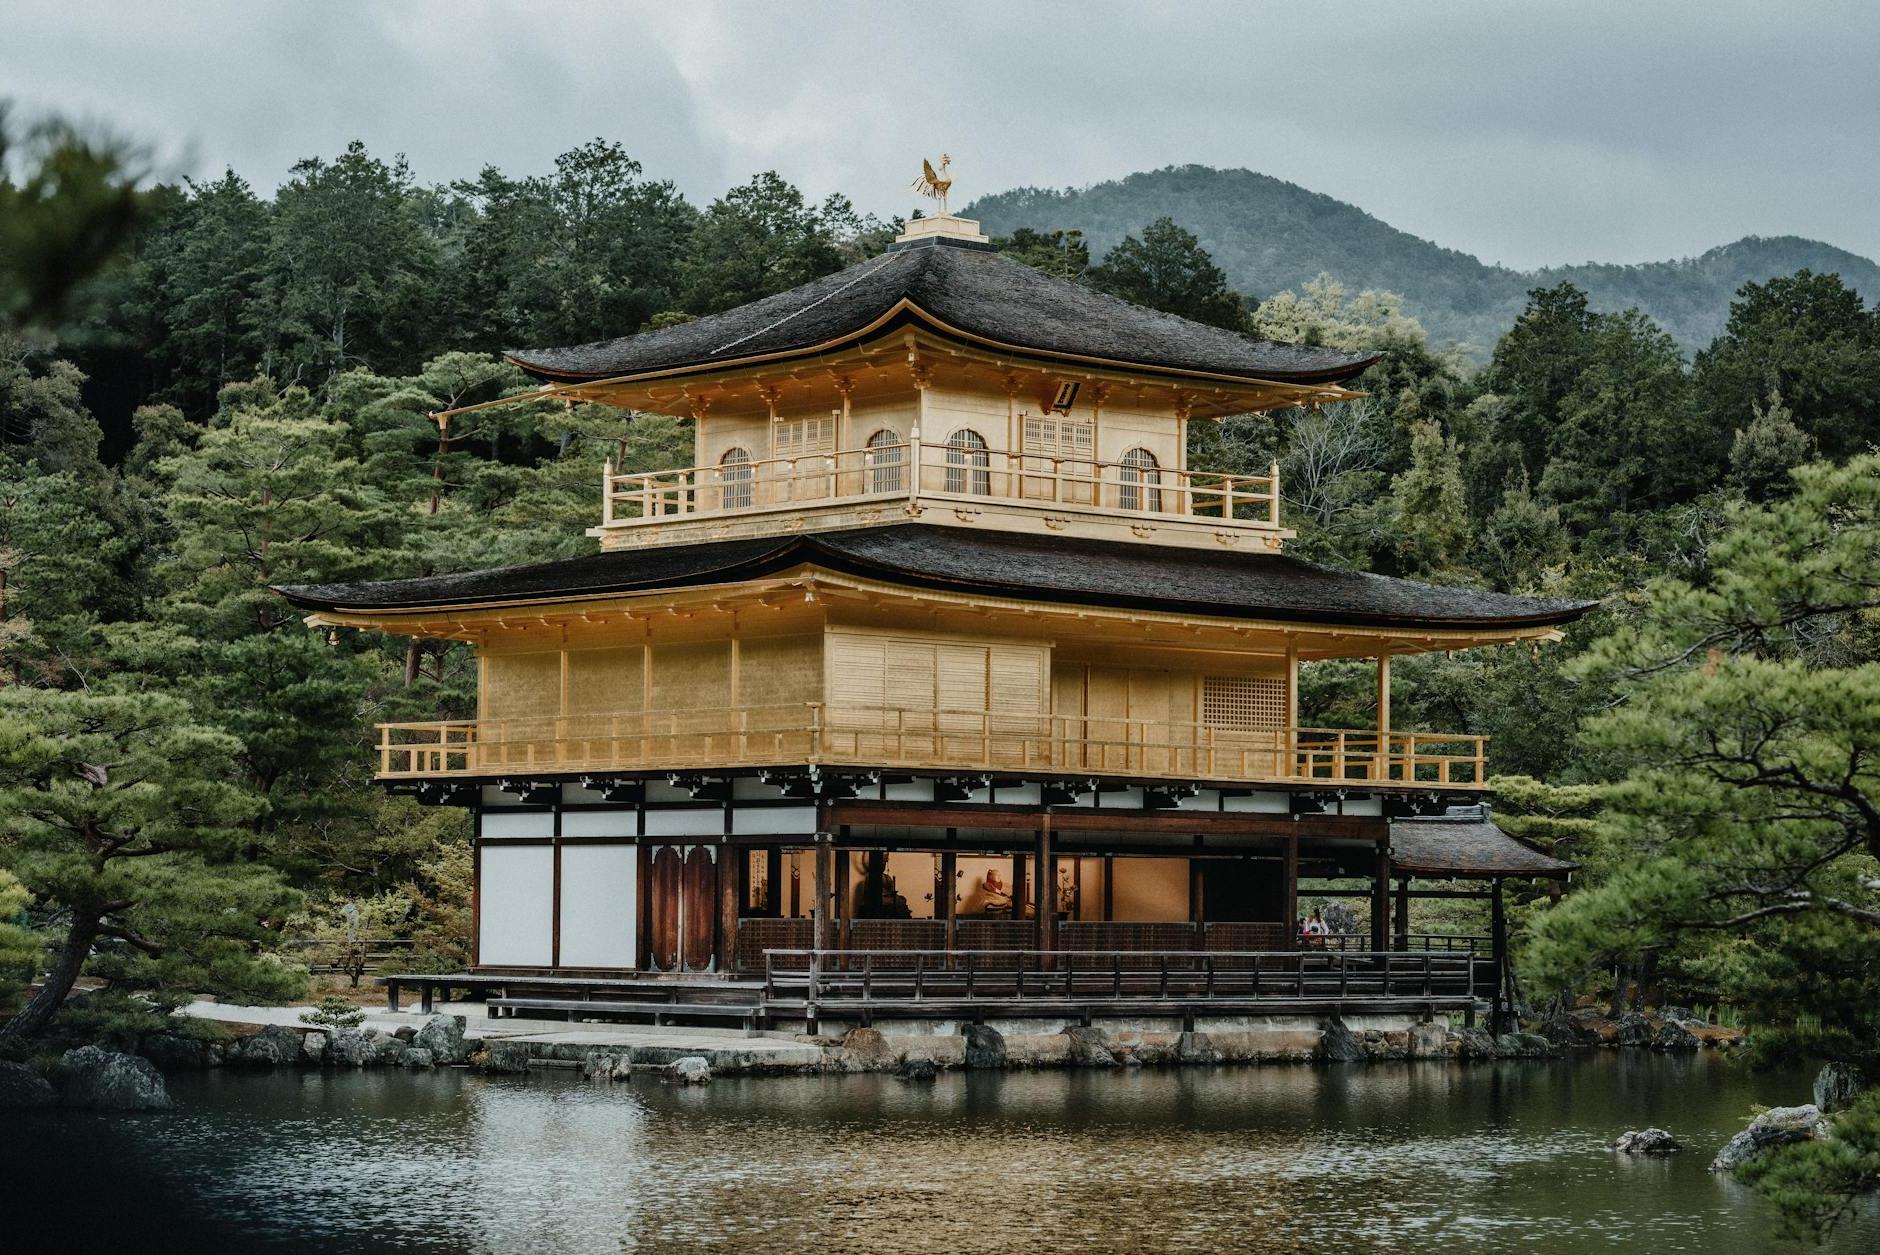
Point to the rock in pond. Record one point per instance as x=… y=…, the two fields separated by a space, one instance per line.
x=509 y=1057
x=442 y=1035
x=416 y=1057
x=313 y=1048
x=1193 y=1047
x=1777 y=1126
x=918 y=1070
x=1837 y=1085
x=1523 y=1046
x=607 y=1067
x=1647 y=1142
x=1338 y=1044
x=985 y=1046
x=691 y=1070
x=389 y=1048
x=276 y=1046
x=1569 y=1034
x=20 y=1086
x=93 y=1077
x=1089 y=1047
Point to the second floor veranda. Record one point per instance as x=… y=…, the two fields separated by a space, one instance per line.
x=963 y=473
x=817 y=733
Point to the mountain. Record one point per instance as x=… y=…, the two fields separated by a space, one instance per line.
x=1269 y=235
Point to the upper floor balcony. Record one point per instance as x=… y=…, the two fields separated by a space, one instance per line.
x=962 y=479
x=815 y=733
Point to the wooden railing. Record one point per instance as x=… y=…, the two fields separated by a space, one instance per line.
x=965 y=740
x=915 y=471
x=856 y=980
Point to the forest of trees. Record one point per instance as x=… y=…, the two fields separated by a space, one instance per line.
x=205 y=391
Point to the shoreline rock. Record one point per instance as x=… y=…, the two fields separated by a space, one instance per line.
x=90 y=1076
x=20 y=1086
x=1778 y=1126
x=1838 y=1085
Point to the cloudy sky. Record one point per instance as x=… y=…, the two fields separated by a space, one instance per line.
x=1526 y=131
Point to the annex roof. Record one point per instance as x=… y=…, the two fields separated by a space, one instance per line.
x=958 y=288
x=1469 y=846
x=1254 y=585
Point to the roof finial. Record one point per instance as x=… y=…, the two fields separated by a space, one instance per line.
x=935 y=183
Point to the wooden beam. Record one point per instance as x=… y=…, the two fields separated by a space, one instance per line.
x=1047 y=887
x=1292 y=888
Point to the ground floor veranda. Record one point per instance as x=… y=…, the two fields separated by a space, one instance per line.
x=702 y=899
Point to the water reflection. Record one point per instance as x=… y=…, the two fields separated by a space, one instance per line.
x=1501 y=1156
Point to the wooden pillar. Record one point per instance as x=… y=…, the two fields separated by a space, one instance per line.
x=1380 y=898
x=1403 y=913
x=733 y=868
x=1109 y=888
x=1382 y=771
x=1292 y=890
x=1047 y=887
x=844 y=906
x=820 y=892
x=1021 y=890
x=1197 y=906
x=1498 y=950
x=949 y=900
x=644 y=908
x=773 y=881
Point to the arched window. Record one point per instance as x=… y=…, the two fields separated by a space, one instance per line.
x=968 y=463
x=734 y=471
x=1140 y=479
x=883 y=459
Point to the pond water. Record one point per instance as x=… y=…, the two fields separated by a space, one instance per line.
x=1499 y=1156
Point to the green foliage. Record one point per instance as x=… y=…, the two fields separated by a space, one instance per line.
x=123 y=817
x=1269 y=235
x=1808 y=337
x=1166 y=268
x=1817 y=1185
x=333 y=1012
x=1060 y=253
x=68 y=204
x=1740 y=839
x=1764 y=453
x=758 y=239
x=1430 y=517
x=20 y=947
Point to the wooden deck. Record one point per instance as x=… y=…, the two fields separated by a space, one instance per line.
x=868 y=985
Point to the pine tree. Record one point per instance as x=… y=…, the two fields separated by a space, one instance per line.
x=121 y=815
x=1166 y=268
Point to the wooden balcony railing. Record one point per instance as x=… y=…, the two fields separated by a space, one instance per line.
x=963 y=740
x=914 y=471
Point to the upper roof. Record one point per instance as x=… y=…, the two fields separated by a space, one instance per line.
x=958 y=287
x=1230 y=584
x=1467 y=844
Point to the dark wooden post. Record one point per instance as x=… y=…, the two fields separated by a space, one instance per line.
x=1109 y=888
x=733 y=869
x=1197 y=905
x=1380 y=898
x=1021 y=890
x=947 y=903
x=773 y=880
x=843 y=906
x=1498 y=949
x=820 y=893
x=1292 y=890
x=1047 y=887
x=644 y=907
x=1403 y=913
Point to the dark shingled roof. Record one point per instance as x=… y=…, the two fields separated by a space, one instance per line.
x=1467 y=845
x=1221 y=583
x=969 y=288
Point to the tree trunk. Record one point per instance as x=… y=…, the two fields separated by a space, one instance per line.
x=59 y=981
x=412 y=656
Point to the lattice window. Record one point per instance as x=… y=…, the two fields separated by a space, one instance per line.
x=800 y=437
x=1049 y=436
x=1243 y=703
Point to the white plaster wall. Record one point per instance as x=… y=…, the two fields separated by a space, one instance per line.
x=516 y=903
x=599 y=896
